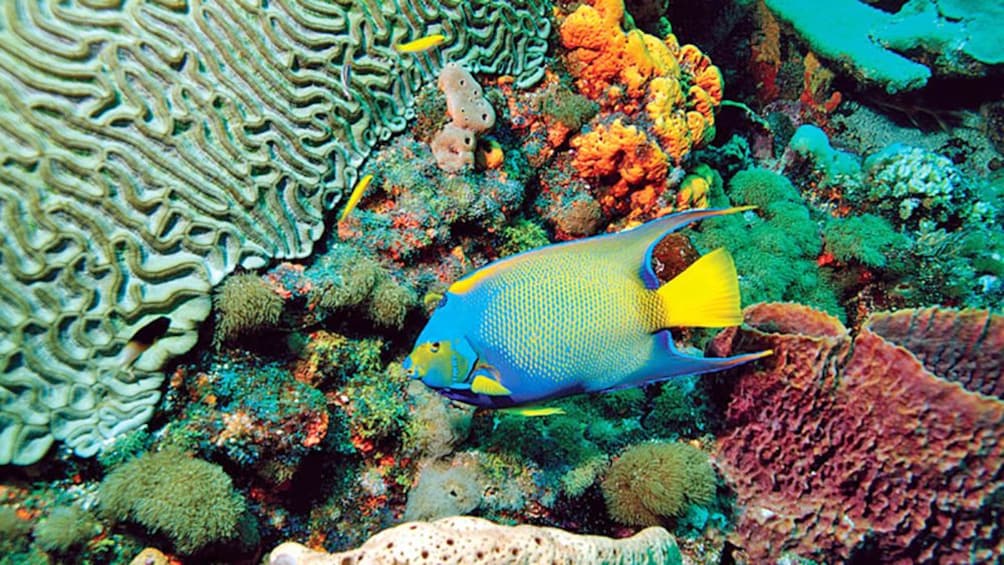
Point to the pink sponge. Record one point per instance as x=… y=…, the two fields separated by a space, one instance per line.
x=454 y=145
x=453 y=148
x=465 y=99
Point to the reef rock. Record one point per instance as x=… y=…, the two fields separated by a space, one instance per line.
x=885 y=446
x=466 y=539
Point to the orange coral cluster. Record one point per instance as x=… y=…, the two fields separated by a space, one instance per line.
x=626 y=153
x=679 y=87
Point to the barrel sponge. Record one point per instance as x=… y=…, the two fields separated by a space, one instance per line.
x=147 y=155
x=466 y=539
x=453 y=148
x=465 y=99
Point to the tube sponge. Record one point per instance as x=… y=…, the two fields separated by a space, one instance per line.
x=465 y=99
x=471 y=113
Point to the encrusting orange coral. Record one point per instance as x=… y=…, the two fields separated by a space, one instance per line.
x=625 y=152
x=677 y=85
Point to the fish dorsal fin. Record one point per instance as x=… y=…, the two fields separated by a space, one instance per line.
x=649 y=235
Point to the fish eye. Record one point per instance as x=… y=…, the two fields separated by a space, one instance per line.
x=442 y=302
x=434 y=347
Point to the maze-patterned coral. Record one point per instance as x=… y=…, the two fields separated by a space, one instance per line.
x=148 y=148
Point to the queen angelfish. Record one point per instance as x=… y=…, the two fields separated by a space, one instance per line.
x=576 y=317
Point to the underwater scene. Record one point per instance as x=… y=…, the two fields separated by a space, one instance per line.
x=299 y=282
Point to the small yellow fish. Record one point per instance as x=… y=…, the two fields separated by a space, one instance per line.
x=421 y=44
x=356 y=196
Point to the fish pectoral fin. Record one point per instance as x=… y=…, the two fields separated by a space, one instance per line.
x=488 y=386
x=486 y=380
x=705 y=295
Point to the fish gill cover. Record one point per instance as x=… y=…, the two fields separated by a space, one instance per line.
x=150 y=148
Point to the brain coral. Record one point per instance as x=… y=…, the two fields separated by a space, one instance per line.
x=149 y=148
x=880 y=447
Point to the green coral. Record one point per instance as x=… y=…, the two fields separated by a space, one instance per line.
x=245 y=305
x=378 y=407
x=13 y=529
x=775 y=247
x=652 y=481
x=391 y=302
x=676 y=409
x=126 y=447
x=867 y=239
x=66 y=528
x=579 y=478
x=350 y=277
x=357 y=274
x=191 y=501
x=557 y=102
x=522 y=235
x=963 y=268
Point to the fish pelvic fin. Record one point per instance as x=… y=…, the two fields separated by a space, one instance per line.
x=705 y=295
x=533 y=411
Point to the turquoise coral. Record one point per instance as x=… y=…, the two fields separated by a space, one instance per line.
x=901 y=51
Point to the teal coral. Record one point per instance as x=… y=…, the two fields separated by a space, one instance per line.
x=190 y=500
x=901 y=51
x=867 y=239
x=522 y=235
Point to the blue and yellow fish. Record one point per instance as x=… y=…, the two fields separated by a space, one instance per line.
x=583 y=316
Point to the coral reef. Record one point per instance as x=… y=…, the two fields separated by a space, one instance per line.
x=245 y=304
x=884 y=443
x=458 y=540
x=190 y=500
x=150 y=154
x=652 y=481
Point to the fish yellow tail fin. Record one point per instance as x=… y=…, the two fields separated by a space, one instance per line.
x=705 y=295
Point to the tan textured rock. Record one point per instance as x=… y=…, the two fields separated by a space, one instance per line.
x=466 y=539
x=149 y=148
